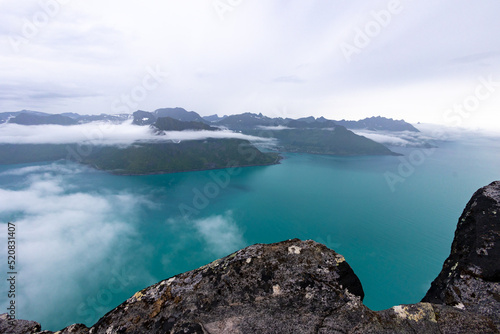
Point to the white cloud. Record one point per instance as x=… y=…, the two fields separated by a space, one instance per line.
x=276 y=128
x=103 y=133
x=430 y=134
x=67 y=242
x=55 y=168
x=220 y=233
x=386 y=138
x=90 y=53
x=448 y=133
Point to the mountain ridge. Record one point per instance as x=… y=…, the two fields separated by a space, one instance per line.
x=309 y=135
x=375 y=123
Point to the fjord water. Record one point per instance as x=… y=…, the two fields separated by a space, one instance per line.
x=89 y=240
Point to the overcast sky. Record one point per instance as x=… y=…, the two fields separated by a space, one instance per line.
x=418 y=60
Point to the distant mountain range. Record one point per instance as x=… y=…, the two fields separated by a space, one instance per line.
x=34 y=119
x=145 y=117
x=378 y=124
x=30 y=117
x=234 y=122
x=304 y=135
x=248 y=120
x=163 y=124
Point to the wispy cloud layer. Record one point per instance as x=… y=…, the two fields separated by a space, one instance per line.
x=273 y=128
x=220 y=233
x=103 y=133
x=67 y=241
x=386 y=138
x=429 y=134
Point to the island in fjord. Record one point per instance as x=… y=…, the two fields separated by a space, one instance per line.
x=161 y=155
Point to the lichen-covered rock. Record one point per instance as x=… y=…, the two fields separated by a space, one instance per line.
x=75 y=329
x=18 y=326
x=431 y=318
x=290 y=286
x=470 y=276
x=31 y=327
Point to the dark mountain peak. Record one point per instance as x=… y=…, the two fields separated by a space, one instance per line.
x=309 y=119
x=316 y=124
x=39 y=119
x=306 y=135
x=142 y=117
x=7 y=116
x=213 y=118
x=30 y=117
x=171 y=124
x=72 y=115
x=103 y=117
x=249 y=115
x=32 y=112
x=249 y=121
x=378 y=123
x=180 y=114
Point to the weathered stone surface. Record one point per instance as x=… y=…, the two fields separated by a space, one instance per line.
x=290 y=286
x=18 y=326
x=431 y=318
x=31 y=327
x=303 y=287
x=470 y=276
x=75 y=329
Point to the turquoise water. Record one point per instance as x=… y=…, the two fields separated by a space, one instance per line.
x=87 y=240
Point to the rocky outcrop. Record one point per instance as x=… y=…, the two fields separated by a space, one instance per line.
x=303 y=287
x=18 y=326
x=471 y=274
x=292 y=286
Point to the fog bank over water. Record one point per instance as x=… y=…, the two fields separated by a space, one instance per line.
x=126 y=133
x=430 y=134
x=104 y=133
x=70 y=242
